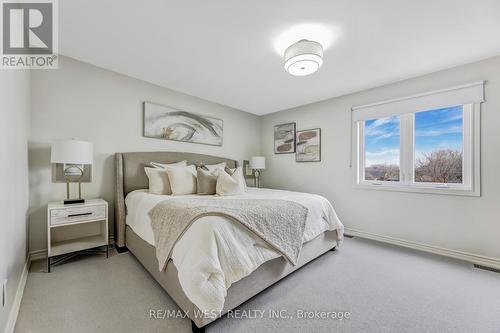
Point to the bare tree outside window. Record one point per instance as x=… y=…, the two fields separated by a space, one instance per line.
x=439 y=166
x=439 y=146
x=382 y=172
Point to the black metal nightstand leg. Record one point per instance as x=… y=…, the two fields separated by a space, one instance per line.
x=64 y=257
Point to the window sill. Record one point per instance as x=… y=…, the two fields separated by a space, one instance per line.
x=419 y=189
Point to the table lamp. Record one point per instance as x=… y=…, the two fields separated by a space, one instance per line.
x=257 y=163
x=74 y=155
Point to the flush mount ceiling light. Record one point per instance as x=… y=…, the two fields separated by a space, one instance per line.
x=303 y=58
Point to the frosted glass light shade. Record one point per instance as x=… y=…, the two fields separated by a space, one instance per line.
x=257 y=162
x=303 y=58
x=72 y=151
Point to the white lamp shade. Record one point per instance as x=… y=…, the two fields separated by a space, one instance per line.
x=303 y=58
x=72 y=151
x=257 y=162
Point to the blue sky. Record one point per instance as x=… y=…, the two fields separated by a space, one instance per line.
x=436 y=129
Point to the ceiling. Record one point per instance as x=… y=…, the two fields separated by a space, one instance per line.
x=227 y=51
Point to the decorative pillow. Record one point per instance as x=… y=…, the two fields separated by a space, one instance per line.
x=242 y=177
x=182 y=180
x=213 y=167
x=231 y=184
x=230 y=171
x=163 y=166
x=206 y=181
x=158 y=181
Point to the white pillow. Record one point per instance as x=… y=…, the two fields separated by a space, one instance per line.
x=240 y=174
x=230 y=184
x=213 y=167
x=163 y=166
x=158 y=181
x=182 y=180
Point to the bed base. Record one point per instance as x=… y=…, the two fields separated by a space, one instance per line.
x=196 y=329
x=263 y=277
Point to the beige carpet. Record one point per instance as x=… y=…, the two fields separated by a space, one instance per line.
x=385 y=289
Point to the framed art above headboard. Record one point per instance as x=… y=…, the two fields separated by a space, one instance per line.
x=164 y=122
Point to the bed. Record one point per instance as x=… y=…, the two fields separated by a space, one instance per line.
x=133 y=233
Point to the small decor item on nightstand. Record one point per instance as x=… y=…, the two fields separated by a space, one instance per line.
x=74 y=155
x=257 y=163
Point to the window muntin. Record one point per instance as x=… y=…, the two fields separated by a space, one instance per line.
x=382 y=149
x=438 y=152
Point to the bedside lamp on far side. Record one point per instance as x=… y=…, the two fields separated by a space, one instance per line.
x=74 y=155
x=257 y=163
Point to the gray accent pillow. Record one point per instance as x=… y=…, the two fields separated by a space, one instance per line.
x=158 y=181
x=206 y=181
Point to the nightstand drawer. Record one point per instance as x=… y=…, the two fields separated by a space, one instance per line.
x=77 y=214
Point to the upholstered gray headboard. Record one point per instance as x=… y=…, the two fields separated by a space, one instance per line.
x=130 y=176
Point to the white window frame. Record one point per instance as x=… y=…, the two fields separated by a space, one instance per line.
x=406 y=183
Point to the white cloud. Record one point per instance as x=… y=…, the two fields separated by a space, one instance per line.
x=383 y=128
x=436 y=132
x=452 y=117
x=384 y=156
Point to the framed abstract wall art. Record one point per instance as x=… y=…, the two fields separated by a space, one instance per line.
x=163 y=122
x=308 y=145
x=284 y=138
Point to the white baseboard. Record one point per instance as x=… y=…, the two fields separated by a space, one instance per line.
x=16 y=304
x=38 y=254
x=466 y=256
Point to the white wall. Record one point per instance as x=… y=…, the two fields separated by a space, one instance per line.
x=14 y=133
x=89 y=103
x=470 y=224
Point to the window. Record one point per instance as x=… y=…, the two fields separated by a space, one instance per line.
x=439 y=146
x=418 y=144
x=382 y=141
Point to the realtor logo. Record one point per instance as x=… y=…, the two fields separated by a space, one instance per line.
x=29 y=34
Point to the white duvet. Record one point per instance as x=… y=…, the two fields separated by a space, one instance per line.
x=216 y=252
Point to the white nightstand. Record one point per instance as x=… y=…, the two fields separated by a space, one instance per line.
x=74 y=228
